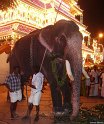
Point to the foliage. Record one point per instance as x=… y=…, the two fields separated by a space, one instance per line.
x=5 y=4
x=60 y=80
x=93 y=115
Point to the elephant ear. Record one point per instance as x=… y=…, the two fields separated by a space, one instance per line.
x=45 y=37
x=60 y=44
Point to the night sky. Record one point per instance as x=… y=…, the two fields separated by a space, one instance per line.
x=93 y=15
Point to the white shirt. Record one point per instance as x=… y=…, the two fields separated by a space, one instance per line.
x=37 y=81
x=85 y=73
x=95 y=75
x=102 y=76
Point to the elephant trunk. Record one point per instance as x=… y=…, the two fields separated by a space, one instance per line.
x=75 y=98
x=75 y=59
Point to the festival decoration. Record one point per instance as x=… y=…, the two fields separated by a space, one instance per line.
x=5 y=4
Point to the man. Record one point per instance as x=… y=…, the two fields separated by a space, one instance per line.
x=95 y=74
x=87 y=81
x=13 y=83
x=102 y=86
x=35 y=96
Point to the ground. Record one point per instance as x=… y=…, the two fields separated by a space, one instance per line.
x=46 y=115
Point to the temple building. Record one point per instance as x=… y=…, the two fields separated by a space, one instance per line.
x=30 y=15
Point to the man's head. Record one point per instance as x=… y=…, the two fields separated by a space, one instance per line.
x=36 y=70
x=95 y=67
x=16 y=69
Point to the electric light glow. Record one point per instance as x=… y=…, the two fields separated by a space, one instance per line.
x=100 y=35
x=38 y=17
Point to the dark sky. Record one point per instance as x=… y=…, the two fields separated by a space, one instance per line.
x=93 y=15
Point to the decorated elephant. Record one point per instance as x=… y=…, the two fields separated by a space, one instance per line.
x=39 y=48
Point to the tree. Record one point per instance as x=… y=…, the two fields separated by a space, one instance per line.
x=5 y=4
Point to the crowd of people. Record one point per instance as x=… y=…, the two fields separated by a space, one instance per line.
x=93 y=84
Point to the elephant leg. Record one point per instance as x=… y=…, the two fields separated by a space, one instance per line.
x=56 y=98
x=55 y=91
x=66 y=92
x=75 y=98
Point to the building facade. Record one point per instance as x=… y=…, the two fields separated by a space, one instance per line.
x=30 y=15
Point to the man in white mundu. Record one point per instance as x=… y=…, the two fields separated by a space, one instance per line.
x=35 y=96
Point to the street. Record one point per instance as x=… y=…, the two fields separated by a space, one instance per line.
x=46 y=116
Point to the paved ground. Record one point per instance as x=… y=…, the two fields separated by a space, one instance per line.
x=45 y=108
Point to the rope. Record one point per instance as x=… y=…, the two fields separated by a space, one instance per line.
x=31 y=53
x=27 y=95
x=46 y=48
x=58 y=10
x=31 y=45
x=43 y=59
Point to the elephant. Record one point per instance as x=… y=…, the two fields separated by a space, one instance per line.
x=61 y=40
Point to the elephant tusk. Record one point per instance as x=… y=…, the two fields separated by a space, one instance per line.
x=85 y=73
x=68 y=70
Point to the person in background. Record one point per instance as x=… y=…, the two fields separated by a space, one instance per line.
x=88 y=82
x=13 y=83
x=83 y=86
x=85 y=83
x=95 y=75
x=102 y=86
x=36 y=89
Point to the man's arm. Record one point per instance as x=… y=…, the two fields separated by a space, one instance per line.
x=7 y=82
x=7 y=86
x=32 y=86
x=85 y=73
x=29 y=83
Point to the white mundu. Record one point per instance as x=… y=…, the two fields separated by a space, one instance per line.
x=85 y=73
x=68 y=70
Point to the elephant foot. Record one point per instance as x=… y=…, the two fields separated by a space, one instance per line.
x=58 y=114
x=62 y=118
x=72 y=117
x=26 y=117
x=62 y=114
x=67 y=111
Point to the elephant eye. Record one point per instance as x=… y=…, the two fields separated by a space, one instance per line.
x=62 y=41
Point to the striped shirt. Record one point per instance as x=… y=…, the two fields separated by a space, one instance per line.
x=14 y=82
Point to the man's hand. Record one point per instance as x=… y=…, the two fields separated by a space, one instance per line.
x=26 y=83
x=11 y=90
